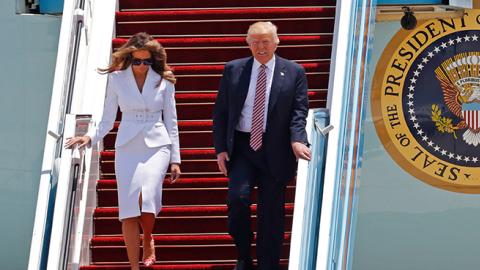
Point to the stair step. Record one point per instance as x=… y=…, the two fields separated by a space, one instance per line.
x=225 y=27
x=111 y=175
x=231 y=41
x=178 y=225
x=180 y=253
x=195 y=125
x=209 y=82
x=180 y=56
x=212 y=182
x=171 y=239
x=186 y=154
x=195 y=70
x=155 y=4
x=215 y=265
x=184 y=182
x=185 y=125
x=188 y=166
x=185 y=98
x=179 y=220
x=184 y=211
x=106 y=248
x=209 y=98
x=188 y=139
x=223 y=14
x=203 y=111
x=185 y=196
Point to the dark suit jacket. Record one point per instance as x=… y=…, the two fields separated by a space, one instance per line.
x=286 y=117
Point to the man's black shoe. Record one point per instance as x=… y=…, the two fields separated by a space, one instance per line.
x=244 y=265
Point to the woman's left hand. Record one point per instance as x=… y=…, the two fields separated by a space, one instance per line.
x=174 y=172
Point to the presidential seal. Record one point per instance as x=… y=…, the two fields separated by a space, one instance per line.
x=426 y=102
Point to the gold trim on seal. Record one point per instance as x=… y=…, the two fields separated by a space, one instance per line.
x=387 y=109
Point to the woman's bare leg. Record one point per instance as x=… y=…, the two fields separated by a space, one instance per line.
x=147 y=221
x=131 y=236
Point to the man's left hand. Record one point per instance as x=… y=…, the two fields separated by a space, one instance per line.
x=301 y=151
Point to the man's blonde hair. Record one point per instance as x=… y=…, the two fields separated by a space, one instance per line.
x=263 y=28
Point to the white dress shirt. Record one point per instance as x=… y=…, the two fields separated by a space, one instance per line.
x=245 y=121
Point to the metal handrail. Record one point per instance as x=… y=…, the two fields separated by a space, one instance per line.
x=71 y=165
x=353 y=22
x=79 y=54
x=62 y=89
x=308 y=195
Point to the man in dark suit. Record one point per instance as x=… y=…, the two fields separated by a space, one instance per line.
x=259 y=134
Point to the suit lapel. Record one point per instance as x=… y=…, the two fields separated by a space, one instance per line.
x=149 y=87
x=277 y=82
x=244 y=83
x=133 y=89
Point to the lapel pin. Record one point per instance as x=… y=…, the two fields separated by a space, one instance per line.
x=282 y=74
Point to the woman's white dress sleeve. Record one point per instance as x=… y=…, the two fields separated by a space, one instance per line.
x=170 y=120
x=108 y=116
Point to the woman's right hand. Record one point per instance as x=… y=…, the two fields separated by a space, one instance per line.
x=80 y=141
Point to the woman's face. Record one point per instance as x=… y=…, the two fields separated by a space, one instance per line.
x=141 y=60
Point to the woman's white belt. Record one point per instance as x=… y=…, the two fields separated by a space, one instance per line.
x=142 y=116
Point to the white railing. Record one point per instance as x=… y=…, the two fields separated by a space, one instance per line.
x=294 y=261
x=308 y=195
x=344 y=101
x=350 y=51
x=41 y=232
x=85 y=203
x=341 y=53
x=69 y=186
x=84 y=45
x=88 y=98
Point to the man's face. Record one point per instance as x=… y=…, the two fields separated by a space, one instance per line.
x=263 y=47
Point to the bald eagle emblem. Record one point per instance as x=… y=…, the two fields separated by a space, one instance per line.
x=459 y=78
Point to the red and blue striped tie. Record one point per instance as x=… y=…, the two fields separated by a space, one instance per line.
x=256 y=132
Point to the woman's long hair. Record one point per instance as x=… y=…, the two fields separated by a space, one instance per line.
x=122 y=58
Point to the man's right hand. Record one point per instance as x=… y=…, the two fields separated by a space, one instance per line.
x=222 y=159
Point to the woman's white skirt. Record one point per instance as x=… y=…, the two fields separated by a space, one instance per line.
x=139 y=170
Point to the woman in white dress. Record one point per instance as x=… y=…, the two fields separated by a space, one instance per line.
x=142 y=85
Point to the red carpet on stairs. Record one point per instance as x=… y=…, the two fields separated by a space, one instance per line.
x=200 y=36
